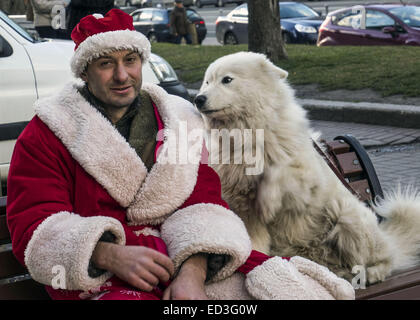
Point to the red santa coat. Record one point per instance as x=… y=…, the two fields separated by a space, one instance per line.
x=73 y=176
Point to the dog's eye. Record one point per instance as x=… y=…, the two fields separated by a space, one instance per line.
x=227 y=80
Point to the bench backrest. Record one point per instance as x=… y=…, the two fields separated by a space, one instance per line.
x=15 y=282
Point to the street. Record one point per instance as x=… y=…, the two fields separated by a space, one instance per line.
x=210 y=13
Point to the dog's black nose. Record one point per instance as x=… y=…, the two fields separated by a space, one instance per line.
x=200 y=101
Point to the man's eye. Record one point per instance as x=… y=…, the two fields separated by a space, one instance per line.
x=104 y=63
x=226 y=80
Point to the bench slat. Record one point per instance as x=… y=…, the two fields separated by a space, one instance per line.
x=349 y=164
x=362 y=188
x=338 y=146
x=395 y=286
x=3 y=205
x=23 y=290
x=4 y=231
x=10 y=266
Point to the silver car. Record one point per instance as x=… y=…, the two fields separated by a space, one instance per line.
x=216 y=3
x=129 y=3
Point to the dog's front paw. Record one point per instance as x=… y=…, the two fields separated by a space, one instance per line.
x=377 y=273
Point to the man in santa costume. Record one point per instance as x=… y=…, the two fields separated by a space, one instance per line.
x=91 y=192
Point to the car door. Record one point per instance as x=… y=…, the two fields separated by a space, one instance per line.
x=376 y=21
x=348 y=28
x=142 y=21
x=239 y=21
x=17 y=90
x=160 y=25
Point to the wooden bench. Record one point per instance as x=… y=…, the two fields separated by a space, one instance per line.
x=15 y=282
x=351 y=162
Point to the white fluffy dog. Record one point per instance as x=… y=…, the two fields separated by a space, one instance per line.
x=296 y=205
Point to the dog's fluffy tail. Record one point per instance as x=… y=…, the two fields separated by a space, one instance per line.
x=401 y=210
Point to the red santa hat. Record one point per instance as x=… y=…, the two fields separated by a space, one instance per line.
x=96 y=35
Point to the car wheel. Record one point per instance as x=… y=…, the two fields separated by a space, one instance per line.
x=230 y=38
x=220 y=3
x=286 y=38
x=152 y=37
x=198 y=4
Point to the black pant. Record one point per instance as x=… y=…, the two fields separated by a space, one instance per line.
x=50 y=32
x=179 y=37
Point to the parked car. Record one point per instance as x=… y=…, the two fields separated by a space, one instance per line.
x=299 y=24
x=188 y=3
x=129 y=3
x=154 y=23
x=388 y=24
x=216 y=3
x=150 y=3
x=31 y=69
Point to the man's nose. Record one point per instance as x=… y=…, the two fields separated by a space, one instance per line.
x=120 y=73
x=200 y=101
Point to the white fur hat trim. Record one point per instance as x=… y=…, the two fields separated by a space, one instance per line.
x=103 y=43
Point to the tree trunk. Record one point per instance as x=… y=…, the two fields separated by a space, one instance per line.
x=264 y=31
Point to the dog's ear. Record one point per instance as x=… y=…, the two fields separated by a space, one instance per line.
x=282 y=73
x=273 y=69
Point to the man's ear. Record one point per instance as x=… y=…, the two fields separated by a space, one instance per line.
x=84 y=76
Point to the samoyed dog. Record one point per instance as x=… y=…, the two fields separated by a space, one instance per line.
x=295 y=205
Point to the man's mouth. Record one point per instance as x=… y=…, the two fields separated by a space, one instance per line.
x=121 y=90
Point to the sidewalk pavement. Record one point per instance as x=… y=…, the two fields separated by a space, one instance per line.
x=396 y=115
x=390 y=134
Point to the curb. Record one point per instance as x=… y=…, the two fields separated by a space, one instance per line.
x=402 y=116
x=395 y=115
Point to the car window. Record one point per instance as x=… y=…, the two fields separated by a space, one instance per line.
x=136 y=17
x=159 y=16
x=192 y=14
x=348 y=19
x=146 y=16
x=296 y=10
x=410 y=15
x=241 y=11
x=16 y=27
x=377 y=20
x=5 y=48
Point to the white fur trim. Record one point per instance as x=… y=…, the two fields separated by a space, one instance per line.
x=279 y=279
x=106 y=42
x=167 y=186
x=231 y=288
x=66 y=239
x=99 y=148
x=207 y=228
x=94 y=143
x=339 y=288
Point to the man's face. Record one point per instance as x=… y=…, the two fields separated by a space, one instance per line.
x=115 y=79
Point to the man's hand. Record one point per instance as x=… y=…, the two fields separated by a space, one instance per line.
x=189 y=283
x=141 y=267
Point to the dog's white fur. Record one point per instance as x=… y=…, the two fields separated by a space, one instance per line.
x=297 y=206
